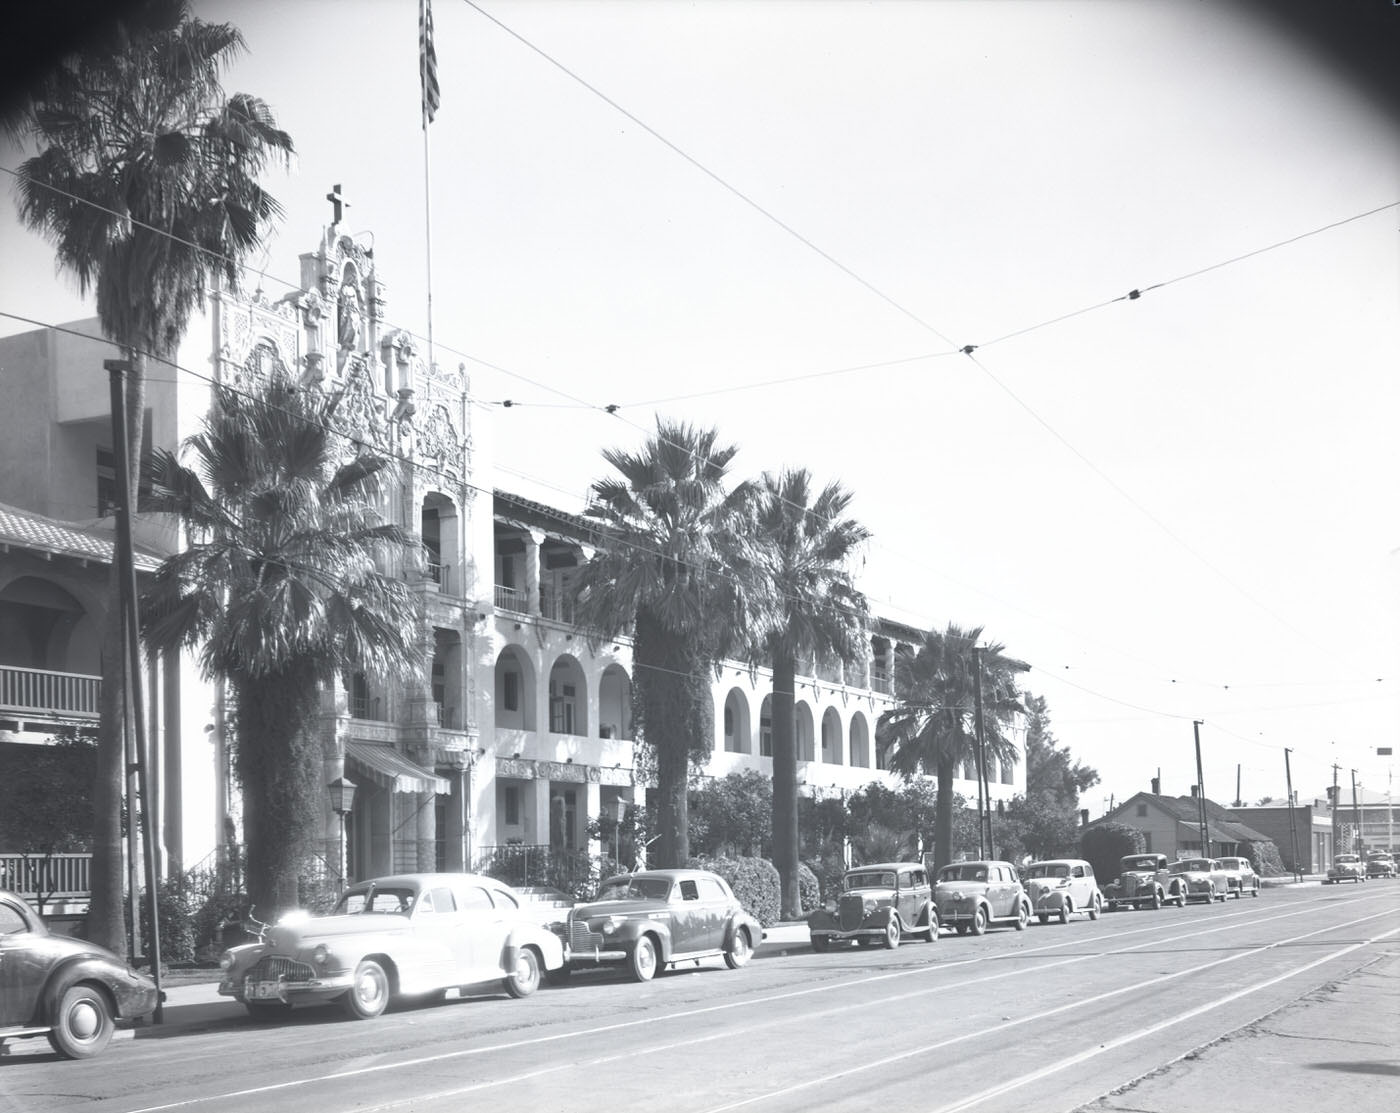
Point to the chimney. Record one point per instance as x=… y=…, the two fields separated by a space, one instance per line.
x=1195 y=791
x=1156 y=786
x=1083 y=817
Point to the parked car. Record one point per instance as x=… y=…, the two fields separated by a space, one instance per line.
x=658 y=918
x=1144 y=881
x=1061 y=888
x=1203 y=877
x=69 y=990
x=1239 y=873
x=972 y=896
x=1346 y=867
x=1380 y=864
x=395 y=937
x=878 y=904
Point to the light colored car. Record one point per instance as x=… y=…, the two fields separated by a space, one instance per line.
x=1203 y=878
x=973 y=896
x=1062 y=887
x=1346 y=867
x=1239 y=872
x=648 y=921
x=68 y=990
x=1144 y=881
x=1380 y=864
x=411 y=935
x=879 y=903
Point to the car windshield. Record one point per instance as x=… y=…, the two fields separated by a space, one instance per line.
x=963 y=873
x=1047 y=869
x=870 y=879
x=1350 y=859
x=395 y=901
x=1191 y=865
x=1139 y=863
x=635 y=888
x=1232 y=863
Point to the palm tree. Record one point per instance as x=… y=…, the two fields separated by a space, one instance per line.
x=933 y=726
x=803 y=552
x=146 y=183
x=668 y=568
x=279 y=593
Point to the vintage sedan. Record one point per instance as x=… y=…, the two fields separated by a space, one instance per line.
x=972 y=896
x=1061 y=888
x=1380 y=864
x=1239 y=872
x=412 y=935
x=648 y=921
x=878 y=904
x=1346 y=867
x=68 y=990
x=1144 y=881
x=1203 y=878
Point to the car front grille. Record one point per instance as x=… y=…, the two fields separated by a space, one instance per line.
x=271 y=968
x=852 y=912
x=581 y=939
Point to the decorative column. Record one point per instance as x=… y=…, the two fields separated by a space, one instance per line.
x=532 y=571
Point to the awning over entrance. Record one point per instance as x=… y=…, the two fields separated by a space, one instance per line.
x=389 y=769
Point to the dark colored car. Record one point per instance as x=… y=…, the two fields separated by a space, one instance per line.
x=1380 y=864
x=878 y=904
x=1144 y=881
x=648 y=921
x=69 y=990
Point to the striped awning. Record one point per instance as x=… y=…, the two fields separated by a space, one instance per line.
x=389 y=769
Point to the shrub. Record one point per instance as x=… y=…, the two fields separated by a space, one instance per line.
x=754 y=881
x=809 y=889
x=1104 y=843
x=177 y=935
x=831 y=874
x=1265 y=858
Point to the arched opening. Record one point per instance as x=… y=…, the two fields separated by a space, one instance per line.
x=860 y=741
x=882 y=745
x=438 y=528
x=806 y=732
x=765 y=728
x=568 y=697
x=831 y=738
x=515 y=690
x=738 y=734
x=615 y=703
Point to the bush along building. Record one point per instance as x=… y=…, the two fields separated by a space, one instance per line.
x=516 y=737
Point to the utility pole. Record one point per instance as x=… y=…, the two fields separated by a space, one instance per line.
x=117 y=370
x=1201 y=792
x=1333 y=801
x=1238 y=802
x=1360 y=843
x=984 y=817
x=1292 y=820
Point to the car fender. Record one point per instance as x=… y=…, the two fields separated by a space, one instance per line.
x=94 y=971
x=549 y=945
x=740 y=923
x=881 y=916
x=659 y=929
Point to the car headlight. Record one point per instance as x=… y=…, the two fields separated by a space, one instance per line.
x=226 y=961
x=869 y=905
x=321 y=955
x=611 y=924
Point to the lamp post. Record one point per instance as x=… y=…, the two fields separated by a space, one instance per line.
x=342 y=800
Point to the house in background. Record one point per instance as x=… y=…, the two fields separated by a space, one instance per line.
x=1171 y=825
x=1310 y=822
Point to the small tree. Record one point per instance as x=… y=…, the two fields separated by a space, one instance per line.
x=730 y=816
x=1103 y=844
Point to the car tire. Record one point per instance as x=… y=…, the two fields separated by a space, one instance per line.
x=1043 y=917
x=1181 y=899
x=368 y=995
x=821 y=944
x=1255 y=891
x=1095 y=907
x=1156 y=900
x=740 y=951
x=1023 y=917
x=82 y=1023
x=525 y=978
x=932 y=927
x=979 y=922
x=891 y=937
x=267 y=1010
x=1066 y=910
x=642 y=960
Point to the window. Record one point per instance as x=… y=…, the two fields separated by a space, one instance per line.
x=441 y=899
x=710 y=889
x=1142 y=810
x=475 y=898
x=11 y=922
x=765 y=736
x=510 y=691
x=688 y=890
x=512 y=806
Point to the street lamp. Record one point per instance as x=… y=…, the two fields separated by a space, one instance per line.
x=342 y=800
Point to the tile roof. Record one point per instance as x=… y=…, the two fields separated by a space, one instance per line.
x=78 y=540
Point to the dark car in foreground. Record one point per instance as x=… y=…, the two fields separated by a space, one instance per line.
x=879 y=903
x=1380 y=864
x=1346 y=867
x=1144 y=881
x=648 y=921
x=69 y=990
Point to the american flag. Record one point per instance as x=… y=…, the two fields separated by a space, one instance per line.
x=427 y=62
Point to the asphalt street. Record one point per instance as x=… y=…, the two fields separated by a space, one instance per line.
x=1275 y=1004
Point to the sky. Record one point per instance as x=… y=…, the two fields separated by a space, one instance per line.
x=787 y=220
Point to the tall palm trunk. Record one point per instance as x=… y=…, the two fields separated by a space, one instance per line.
x=279 y=766
x=943 y=812
x=785 y=832
x=106 y=923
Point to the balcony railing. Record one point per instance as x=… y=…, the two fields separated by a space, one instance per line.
x=557 y=606
x=51 y=877
x=42 y=692
x=511 y=599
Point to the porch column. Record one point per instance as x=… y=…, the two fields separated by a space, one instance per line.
x=426 y=831
x=537 y=825
x=532 y=571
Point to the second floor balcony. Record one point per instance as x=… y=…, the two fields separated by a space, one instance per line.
x=46 y=694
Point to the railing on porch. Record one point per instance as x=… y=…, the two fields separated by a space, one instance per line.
x=573 y=871
x=47 y=876
x=42 y=691
x=511 y=599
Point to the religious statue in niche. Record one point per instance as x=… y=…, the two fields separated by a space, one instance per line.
x=348 y=318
